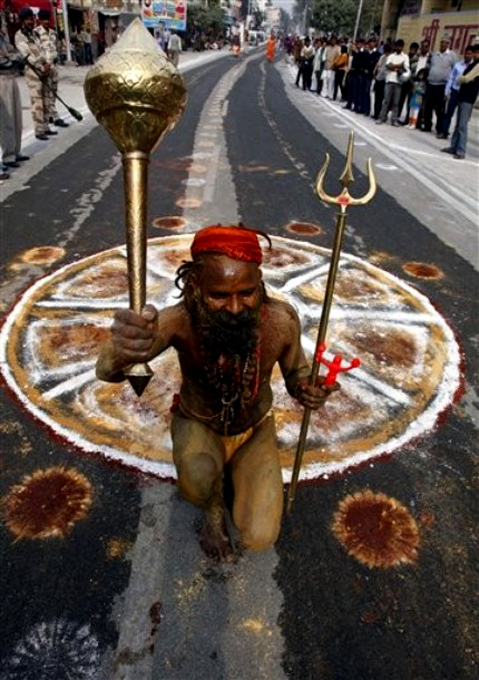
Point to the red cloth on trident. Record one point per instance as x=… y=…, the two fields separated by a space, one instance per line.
x=235 y=242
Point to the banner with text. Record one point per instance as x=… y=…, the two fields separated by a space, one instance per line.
x=170 y=13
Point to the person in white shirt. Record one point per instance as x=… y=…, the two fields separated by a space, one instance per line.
x=424 y=60
x=397 y=68
x=174 y=47
x=306 y=64
x=332 y=52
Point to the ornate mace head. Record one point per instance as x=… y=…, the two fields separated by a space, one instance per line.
x=135 y=92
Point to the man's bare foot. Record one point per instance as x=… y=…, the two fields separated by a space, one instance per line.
x=214 y=540
x=215 y=543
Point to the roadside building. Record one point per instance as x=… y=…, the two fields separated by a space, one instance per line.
x=416 y=20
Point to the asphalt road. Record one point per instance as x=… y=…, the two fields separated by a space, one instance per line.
x=124 y=592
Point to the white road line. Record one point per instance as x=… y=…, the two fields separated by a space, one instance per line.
x=218 y=185
x=70 y=385
x=183 y=616
x=85 y=204
x=310 y=275
x=82 y=304
x=386 y=166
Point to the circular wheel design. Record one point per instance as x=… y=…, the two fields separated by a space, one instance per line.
x=409 y=372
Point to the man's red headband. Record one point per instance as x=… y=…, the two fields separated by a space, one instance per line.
x=235 y=242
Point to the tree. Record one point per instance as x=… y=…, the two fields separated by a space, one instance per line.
x=202 y=20
x=331 y=16
x=286 y=21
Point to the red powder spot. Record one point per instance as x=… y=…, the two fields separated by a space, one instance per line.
x=42 y=255
x=422 y=270
x=376 y=529
x=169 y=223
x=305 y=228
x=48 y=503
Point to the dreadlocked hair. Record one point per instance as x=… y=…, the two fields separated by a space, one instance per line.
x=187 y=278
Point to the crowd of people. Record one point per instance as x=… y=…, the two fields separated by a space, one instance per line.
x=385 y=82
x=34 y=52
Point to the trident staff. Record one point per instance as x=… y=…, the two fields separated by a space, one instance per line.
x=344 y=200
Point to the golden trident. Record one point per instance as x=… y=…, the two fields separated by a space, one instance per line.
x=137 y=94
x=344 y=200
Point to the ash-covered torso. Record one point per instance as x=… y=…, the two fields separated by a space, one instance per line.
x=226 y=380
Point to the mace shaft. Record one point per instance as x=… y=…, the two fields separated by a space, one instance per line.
x=135 y=172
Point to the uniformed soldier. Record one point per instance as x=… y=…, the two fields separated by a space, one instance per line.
x=10 y=106
x=48 y=39
x=37 y=68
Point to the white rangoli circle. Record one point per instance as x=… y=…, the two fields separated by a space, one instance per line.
x=409 y=374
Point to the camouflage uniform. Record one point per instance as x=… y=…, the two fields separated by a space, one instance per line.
x=29 y=45
x=48 y=40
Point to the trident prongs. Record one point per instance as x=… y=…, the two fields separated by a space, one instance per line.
x=345 y=199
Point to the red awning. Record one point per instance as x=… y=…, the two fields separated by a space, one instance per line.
x=16 y=5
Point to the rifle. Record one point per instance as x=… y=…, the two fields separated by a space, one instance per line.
x=76 y=114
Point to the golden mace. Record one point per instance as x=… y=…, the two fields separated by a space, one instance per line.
x=344 y=200
x=137 y=94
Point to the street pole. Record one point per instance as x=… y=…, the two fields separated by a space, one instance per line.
x=305 y=18
x=358 y=19
x=66 y=29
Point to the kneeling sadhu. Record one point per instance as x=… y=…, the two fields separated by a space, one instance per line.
x=229 y=335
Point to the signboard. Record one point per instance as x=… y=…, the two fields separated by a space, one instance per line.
x=461 y=28
x=170 y=13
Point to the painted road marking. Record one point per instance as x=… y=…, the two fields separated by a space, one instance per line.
x=386 y=166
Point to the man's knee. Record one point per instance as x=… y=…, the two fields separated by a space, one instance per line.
x=197 y=476
x=259 y=526
x=260 y=536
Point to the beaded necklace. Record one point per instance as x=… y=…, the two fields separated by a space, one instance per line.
x=235 y=380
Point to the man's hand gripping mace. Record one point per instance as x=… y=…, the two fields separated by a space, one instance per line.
x=344 y=200
x=137 y=94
